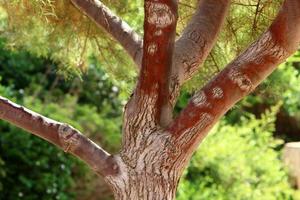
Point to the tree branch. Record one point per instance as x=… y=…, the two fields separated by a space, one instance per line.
x=196 y=42
x=199 y=36
x=114 y=25
x=239 y=78
x=159 y=35
x=62 y=135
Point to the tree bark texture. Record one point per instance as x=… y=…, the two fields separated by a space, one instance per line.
x=155 y=147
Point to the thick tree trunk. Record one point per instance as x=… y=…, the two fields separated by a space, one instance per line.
x=151 y=160
x=150 y=168
x=144 y=182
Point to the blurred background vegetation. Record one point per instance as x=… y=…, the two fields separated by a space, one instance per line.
x=56 y=62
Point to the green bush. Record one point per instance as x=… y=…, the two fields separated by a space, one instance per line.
x=239 y=162
x=33 y=169
x=285 y=84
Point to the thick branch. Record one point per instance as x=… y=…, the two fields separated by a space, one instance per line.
x=159 y=36
x=198 y=38
x=196 y=42
x=62 y=135
x=240 y=77
x=114 y=25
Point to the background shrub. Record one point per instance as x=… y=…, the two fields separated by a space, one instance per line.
x=239 y=162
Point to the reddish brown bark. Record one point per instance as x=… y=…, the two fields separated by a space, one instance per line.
x=159 y=27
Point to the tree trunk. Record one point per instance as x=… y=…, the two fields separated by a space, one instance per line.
x=150 y=168
x=144 y=182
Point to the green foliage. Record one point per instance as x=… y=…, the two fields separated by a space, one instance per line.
x=295 y=58
x=57 y=30
x=282 y=85
x=36 y=78
x=51 y=166
x=246 y=20
x=31 y=167
x=40 y=169
x=238 y=162
x=2 y=173
x=297 y=195
x=36 y=169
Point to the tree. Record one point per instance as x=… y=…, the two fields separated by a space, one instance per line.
x=155 y=147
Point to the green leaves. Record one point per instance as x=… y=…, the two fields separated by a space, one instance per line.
x=56 y=29
x=238 y=162
x=32 y=168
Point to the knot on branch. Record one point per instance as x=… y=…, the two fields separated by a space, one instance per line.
x=240 y=79
x=217 y=93
x=159 y=14
x=200 y=99
x=152 y=49
x=69 y=137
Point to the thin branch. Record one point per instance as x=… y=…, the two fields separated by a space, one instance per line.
x=256 y=16
x=239 y=78
x=186 y=5
x=62 y=135
x=114 y=25
x=245 y=5
x=215 y=62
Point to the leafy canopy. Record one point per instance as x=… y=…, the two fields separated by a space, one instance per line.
x=56 y=29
